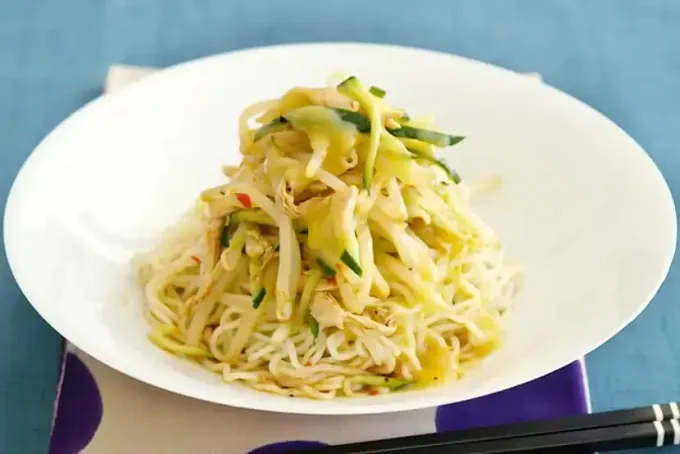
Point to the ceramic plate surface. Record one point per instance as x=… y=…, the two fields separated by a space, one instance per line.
x=582 y=208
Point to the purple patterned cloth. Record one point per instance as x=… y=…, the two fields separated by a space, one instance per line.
x=564 y=392
x=79 y=408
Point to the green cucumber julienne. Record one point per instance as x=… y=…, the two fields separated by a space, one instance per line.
x=326 y=269
x=279 y=124
x=358 y=120
x=404 y=117
x=363 y=125
x=225 y=240
x=388 y=382
x=257 y=299
x=352 y=264
x=313 y=326
x=377 y=92
x=352 y=88
x=438 y=139
x=452 y=174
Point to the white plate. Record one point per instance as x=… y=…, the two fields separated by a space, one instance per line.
x=583 y=208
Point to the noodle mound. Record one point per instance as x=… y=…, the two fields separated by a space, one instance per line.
x=342 y=258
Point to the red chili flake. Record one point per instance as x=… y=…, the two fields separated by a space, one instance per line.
x=244 y=199
x=196 y=259
x=372 y=392
x=333 y=280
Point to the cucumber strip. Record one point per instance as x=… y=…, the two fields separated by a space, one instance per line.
x=360 y=121
x=351 y=263
x=313 y=326
x=352 y=88
x=415 y=146
x=326 y=269
x=438 y=139
x=312 y=280
x=388 y=382
x=452 y=174
x=257 y=299
x=377 y=92
x=280 y=124
x=225 y=238
x=175 y=347
x=256 y=289
x=253 y=216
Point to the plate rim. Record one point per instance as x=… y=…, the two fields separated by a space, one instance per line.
x=339 y=406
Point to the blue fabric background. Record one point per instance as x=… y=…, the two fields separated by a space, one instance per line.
x=622 y=57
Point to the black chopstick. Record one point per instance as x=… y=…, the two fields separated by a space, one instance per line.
x=623 y=437
x=595 y=421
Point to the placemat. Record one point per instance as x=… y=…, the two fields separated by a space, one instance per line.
x=101 y=411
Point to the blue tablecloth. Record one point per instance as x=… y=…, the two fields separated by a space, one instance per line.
x=622 y=57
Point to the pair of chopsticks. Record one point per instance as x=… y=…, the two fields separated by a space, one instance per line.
x=643 y=427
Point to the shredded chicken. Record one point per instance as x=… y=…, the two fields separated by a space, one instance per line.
x=285 y=196
x=326 y=310
x=212 y=241
x=255 y=244
x=326 y=286
x=367 y=322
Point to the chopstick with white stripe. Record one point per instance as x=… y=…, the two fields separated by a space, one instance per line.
x=614 y=438
x=660 y=419
x=676 y=430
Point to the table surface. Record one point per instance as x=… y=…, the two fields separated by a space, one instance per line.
x=622 y=57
